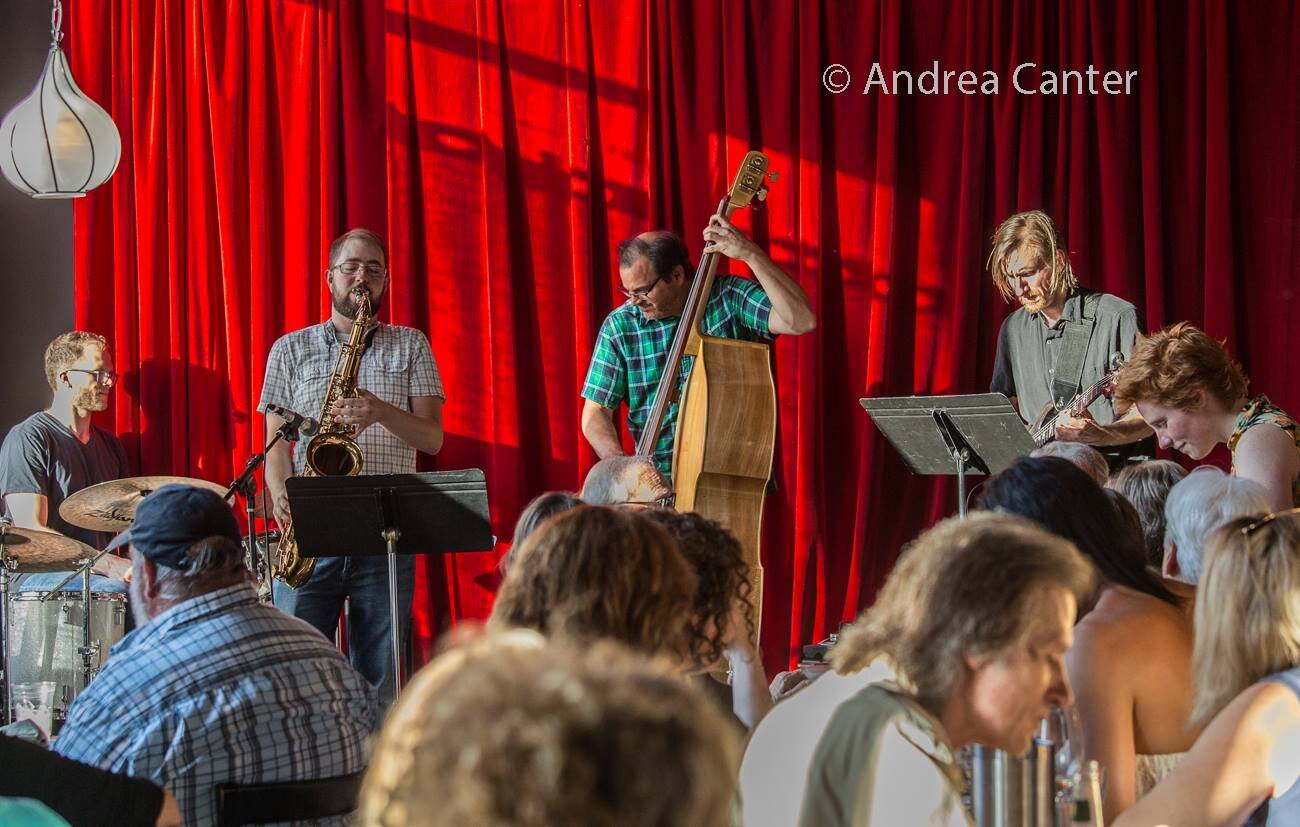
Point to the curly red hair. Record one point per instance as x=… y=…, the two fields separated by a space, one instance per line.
x=1173 y=365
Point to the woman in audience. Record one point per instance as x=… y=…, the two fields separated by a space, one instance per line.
x=1193 y=395
x=1247 y=683
x=512 y=730
x=1131 y=661
x=721 y=628
x=541 y=509
x=1146 y=485
x=598 y=572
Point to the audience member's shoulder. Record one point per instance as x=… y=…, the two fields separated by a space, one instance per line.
x=1128 y=622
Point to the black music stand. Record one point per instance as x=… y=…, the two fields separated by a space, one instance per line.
x=391 y=514
x=980 y=433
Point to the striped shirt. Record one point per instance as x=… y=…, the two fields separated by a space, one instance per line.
x=631 y=350
x=221 y=689
x=397 y=365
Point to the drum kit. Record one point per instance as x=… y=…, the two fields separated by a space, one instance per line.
x=60 y=639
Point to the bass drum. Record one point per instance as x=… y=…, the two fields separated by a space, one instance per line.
x=47 y=640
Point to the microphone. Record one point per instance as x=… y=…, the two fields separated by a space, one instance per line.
x=305 y=425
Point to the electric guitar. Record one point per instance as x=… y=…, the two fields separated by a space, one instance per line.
x=1043 y=430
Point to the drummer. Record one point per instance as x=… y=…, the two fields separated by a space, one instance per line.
x=58 y=451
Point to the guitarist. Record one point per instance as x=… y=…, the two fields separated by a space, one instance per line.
x=634 y=339
x=1060 y=340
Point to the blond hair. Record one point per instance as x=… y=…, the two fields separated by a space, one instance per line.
x=1026 y=232
x=66 y=350
x=1247 y=609
x=965 y=587
x=511 y=730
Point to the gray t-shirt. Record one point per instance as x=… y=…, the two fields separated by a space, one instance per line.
x=41 y=456
x=1027 y=351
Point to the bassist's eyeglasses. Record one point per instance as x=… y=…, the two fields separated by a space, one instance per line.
x=641 y=293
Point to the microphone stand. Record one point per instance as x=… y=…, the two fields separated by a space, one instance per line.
x=246 y=486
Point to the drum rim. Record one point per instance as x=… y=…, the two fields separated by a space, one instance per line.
x=30 y=596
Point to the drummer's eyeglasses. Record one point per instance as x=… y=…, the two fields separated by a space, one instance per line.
x=103 y=377
x=1250 y=529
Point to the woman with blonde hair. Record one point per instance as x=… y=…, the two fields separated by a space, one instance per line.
x=1247 y=665
x=1191 y=392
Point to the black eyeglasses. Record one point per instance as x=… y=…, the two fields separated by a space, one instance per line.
x=351 y=267
x=1246 y=531
x=103 y=377
x=641 y=292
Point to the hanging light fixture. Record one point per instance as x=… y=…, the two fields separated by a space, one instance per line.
x=58 y=143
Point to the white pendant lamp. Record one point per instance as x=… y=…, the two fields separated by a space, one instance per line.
x=58 y=143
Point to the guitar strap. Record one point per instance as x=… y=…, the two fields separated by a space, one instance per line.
x=1068 y=379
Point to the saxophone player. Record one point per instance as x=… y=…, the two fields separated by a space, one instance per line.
x=396 y=412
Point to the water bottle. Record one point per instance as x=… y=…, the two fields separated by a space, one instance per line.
x=1087 y=796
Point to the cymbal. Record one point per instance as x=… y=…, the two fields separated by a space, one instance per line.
x=36 y=550
x=110 y=506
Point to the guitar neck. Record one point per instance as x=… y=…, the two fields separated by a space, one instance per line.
x=1081 y=400
x=692 y=316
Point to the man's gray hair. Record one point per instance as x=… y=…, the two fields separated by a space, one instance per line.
x=1199 y=504
x=215 y=562
x=1087 y=458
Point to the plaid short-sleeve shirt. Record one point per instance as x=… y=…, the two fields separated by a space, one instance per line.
x=630 y=352
x=222 y=689
x=397 y=365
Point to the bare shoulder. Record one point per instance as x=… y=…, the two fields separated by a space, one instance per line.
x=1262 y=721
x=1129 y=624
x=1267 y=708
x=1267 y=438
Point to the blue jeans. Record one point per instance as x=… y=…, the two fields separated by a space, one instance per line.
x=46 y=580
x=365 y=580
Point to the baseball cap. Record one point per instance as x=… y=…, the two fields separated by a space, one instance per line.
x=172 y=519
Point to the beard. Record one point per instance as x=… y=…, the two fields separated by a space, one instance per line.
x=347 y=306
x=90 y=399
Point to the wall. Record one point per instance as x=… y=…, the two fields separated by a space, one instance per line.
x=35 y=236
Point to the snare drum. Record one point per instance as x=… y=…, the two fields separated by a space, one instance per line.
x=47 y=638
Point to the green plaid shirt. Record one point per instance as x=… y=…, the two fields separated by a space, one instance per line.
x=630 y=352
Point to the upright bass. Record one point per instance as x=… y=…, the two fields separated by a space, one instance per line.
x=726 y=422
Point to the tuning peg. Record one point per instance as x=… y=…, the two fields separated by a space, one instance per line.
x=762 y=194
x=771 y=176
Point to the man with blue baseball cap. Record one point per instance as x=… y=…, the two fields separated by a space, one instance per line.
x=214 y=687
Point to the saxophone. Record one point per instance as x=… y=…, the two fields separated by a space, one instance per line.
x=332 y=452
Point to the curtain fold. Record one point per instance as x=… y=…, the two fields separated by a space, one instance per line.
x=504 y=148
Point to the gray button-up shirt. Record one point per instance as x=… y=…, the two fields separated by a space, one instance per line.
x=1027 y=352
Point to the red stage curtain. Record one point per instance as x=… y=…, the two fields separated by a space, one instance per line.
x=505 y=147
